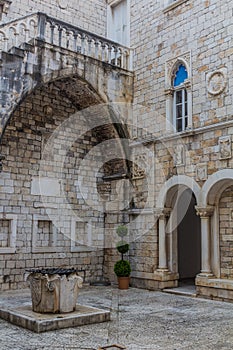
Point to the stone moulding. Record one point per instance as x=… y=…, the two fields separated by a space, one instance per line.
x=54 y=293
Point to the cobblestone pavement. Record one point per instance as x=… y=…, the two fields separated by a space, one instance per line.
x=141 y=320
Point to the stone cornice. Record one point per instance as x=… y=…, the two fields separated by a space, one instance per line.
x=183 y=134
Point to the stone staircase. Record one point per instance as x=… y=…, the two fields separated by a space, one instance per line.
x=23 y=61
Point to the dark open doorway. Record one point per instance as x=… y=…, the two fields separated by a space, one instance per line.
x=189 y=239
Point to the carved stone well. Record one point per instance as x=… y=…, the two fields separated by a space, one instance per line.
x=54 y=290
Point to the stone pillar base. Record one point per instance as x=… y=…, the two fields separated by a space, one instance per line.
x=166 y=279
x=214 y=288
x=203 y=276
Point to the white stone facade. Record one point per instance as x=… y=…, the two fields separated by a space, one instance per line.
x=163 y=36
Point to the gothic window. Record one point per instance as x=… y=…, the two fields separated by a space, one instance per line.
x=180 y=99
x=178 y=94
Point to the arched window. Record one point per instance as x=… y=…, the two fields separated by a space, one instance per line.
x=178 y=93
x=180 y=99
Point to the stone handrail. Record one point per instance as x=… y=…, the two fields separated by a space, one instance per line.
x=53 y=31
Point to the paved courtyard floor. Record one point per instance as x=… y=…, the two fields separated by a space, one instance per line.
x=141 y=320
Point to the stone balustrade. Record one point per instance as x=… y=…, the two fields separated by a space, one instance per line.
x=48 y=29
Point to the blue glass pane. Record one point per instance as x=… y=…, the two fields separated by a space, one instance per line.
x=181 y=75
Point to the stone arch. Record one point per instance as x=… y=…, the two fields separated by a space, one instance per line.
x=107 y=84
x=46 y=113
x=180 y=180
x=70 y=77
x=210 y=196
x=171 y=214
x=84 y=98
x=175 y=66
x=214 y=186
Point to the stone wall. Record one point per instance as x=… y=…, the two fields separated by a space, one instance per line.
x=88 y=15
x=54 y=225
x=226 y=233
x=198 y=30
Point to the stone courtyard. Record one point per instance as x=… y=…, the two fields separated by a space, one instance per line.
x=140 y=320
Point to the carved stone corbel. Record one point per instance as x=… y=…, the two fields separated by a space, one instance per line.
x=5 y=5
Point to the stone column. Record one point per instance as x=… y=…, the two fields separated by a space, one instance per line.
x=169 y=115
x=205 y=214
x=162 y=239
x=188 y=87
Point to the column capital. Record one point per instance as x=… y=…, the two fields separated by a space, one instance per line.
x=204 y=212
x=162 y=212
x=168 y=91
x=187 y=84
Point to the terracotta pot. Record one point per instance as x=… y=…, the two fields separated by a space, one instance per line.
x=123 y=282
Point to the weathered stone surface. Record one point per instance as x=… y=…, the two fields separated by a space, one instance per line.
x=140 y=320
x=24 y=317
x=54 y=293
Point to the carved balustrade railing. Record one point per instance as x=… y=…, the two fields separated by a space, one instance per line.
x=53 y=31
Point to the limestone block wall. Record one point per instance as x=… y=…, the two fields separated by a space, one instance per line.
x=160 y=34
x=201 y=32
x=226 y=233
x=89 y=15
x=54 y=225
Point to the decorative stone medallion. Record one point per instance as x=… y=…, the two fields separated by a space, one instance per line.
x=225 y=147
x=216 y=82
x=201 y=172
x=63 y=4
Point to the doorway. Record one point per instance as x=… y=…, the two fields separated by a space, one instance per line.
x=188 y=239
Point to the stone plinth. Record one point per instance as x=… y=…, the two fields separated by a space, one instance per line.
x=24 y=317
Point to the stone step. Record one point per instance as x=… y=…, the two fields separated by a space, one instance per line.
x=184 y=291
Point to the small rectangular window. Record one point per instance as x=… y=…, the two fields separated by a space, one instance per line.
x=119 y=21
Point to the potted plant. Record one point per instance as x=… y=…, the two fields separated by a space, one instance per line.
x=122 y=267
